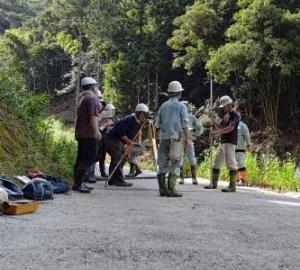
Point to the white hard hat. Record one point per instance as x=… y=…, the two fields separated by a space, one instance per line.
x=225 y=100
x=88 y=81
x=175 y=87
x=142 y=108
x=99 y=94
x=106 y=115
x=109 y=107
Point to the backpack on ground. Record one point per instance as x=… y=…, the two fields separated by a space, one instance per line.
x=11 y=188
x=38 y=189
x=58 y=185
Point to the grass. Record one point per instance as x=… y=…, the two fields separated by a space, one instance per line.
x=265 y=171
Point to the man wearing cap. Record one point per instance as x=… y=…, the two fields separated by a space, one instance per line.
x=228 y=130
x=173 y=124
x=123 y=135
x=86 y=133
x=196 y=130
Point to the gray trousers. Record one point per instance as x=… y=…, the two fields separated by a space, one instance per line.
x=165 y=165
x=240 y=159
x=189 y=151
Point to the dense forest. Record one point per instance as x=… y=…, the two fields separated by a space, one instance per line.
x=135 y=47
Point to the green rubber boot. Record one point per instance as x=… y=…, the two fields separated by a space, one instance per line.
x=214 y=181
x=162 y=183
x=171 y=186
x=194 y=175
x=232 y=182
x=181 y=182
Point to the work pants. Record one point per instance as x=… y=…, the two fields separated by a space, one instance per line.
x=86 y=155
x=115 y=149
x=165 y=165
x=240 y=160
x=226 y=152
x=189 y=151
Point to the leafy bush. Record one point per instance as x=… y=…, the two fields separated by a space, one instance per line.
x=25 y=106
x=59 y=146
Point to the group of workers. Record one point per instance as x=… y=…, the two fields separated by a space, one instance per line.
x=98 y=134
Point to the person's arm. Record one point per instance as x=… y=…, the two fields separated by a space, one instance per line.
x=95 y=127
x=185 y=124
x=227 y=129
x=126 y=140
x=123 y=127
x=198 y=126
x=92 y=108
x=247 y=137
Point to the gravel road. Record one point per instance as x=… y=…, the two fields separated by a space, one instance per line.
x=134 y=228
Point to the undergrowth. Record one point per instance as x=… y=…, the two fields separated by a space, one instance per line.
x=265 y=171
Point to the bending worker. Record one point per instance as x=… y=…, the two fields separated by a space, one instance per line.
x=189 y=150
x=173 y=124
x=228 y=130
x=122 y=134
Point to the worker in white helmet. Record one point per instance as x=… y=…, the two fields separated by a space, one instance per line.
x=86 y=133
x=228 y=130
x=123 y=134
x=110 y=107
x=173 y=124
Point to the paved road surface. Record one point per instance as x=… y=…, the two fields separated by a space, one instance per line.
x=134 y=228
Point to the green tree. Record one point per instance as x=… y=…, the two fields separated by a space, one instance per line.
x=200 y=31
x=261 y=56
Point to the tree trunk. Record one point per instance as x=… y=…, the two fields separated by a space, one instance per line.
x=156 y=92
x=47 y=80
x=148 y=89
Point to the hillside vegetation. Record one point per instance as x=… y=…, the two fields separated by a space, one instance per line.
x=134 y=48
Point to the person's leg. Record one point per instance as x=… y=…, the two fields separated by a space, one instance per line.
x=174 y=173
x=115 y=150
x=231 y=166
x=190 y=150
x=219 y=159
x=241 y=175
x=102 y=158
x=163 y=166
x=91 y=178
x=132 y=164
x=181 y=181
x=85 y=156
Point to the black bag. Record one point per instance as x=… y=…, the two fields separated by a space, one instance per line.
x=38 y=189
x=58 y=185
